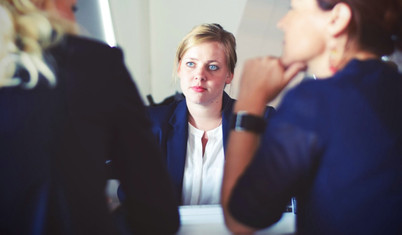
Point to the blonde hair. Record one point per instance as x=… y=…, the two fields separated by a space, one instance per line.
x=208 y=33
x=25 y=33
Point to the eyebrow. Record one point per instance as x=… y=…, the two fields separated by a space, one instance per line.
x=209 y=61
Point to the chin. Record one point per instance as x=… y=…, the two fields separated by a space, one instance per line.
x=286 y=61
x=194 y=100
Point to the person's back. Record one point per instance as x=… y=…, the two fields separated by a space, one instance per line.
x=356 y=170
x=55 y=140
x=335 y=142
x=28 y=128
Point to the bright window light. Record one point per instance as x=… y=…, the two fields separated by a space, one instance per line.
x=107 y=22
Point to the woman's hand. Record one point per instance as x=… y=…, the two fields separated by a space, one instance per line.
x=263 y=79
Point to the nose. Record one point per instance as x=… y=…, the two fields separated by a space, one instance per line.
x=281 y=22
x=200 y=74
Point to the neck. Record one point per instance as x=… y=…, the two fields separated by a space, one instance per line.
x=205 y=117
x=321 y=67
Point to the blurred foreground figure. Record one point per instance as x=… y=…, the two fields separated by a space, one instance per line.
x=336 y=142
x=67 y=104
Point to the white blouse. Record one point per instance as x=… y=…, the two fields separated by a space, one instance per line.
x=203 y=174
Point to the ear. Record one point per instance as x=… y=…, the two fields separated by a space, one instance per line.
x=341 y=16
x=178 y=67
x=229 y=78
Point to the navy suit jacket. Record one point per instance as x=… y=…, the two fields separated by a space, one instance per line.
x=54 y=143
x=170 y=127
x=335 y=144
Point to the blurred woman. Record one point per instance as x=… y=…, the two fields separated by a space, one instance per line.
x=67 y=105
x=335 y=142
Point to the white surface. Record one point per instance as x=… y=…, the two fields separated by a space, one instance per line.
x=201 y=220
x=111 y=193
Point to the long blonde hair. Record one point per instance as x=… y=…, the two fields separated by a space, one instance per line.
x=25 y=33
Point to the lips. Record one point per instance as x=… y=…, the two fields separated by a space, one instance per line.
x=198 y=88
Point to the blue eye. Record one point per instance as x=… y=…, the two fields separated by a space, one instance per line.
x=190 y=64
x=213 y=67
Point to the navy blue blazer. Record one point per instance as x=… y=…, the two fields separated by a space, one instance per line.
x=170 y=127
x=54 y=143
x=335 y=144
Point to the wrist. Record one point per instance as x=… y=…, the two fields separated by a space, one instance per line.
x=254 y=108
x=245 y=121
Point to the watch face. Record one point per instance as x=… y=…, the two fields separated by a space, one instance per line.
x=243 y=121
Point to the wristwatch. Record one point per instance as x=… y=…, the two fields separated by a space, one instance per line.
x=243 y=121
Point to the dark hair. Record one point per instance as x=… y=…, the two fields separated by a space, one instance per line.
x=376 y=25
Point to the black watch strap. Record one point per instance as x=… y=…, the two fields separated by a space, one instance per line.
x=243 y=121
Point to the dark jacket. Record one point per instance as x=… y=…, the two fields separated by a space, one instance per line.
x=170 y=127
x=54 y=144
x=335 y=144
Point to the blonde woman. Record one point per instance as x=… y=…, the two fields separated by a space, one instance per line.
x=192 y=132
x=67 y=105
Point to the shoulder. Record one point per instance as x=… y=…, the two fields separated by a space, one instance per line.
x=88 y=59
x=227 y=103
x=303 y=98
x=160 y=111
x=85 y=44
x=160 y=114
x=94 y=71
x=309 y=90
x=80 y=48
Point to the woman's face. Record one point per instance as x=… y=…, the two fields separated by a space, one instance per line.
x=66 y=8
x=63 y=8
x=304 y=32
x=203 y=73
